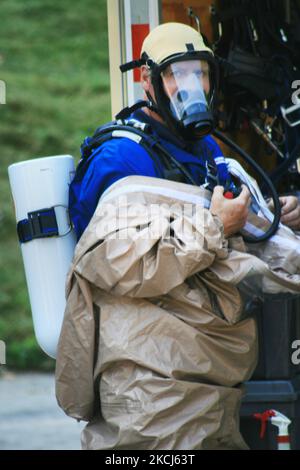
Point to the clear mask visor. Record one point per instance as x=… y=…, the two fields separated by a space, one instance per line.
x=187 y=85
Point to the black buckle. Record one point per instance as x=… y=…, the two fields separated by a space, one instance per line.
x=40 y=224
x=212 y=177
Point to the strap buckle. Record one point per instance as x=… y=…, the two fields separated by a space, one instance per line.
x=41 y=223
x=212 y=177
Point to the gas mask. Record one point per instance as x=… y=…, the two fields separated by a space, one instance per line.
x=188 y=91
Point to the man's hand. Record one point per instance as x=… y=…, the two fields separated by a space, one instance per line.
x=290 y=211
x=232 y=212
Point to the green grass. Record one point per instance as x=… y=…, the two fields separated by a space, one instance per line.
x=54 y=60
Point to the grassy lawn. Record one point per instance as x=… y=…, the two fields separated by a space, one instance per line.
x=54 y=60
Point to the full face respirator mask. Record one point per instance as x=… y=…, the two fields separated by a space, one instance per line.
x=184 y=78
x=184 y=92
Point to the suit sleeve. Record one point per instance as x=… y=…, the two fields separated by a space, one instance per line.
x=151 y=252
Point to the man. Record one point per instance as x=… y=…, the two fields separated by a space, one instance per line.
x=154 y=343
x=122 y=158
x=119 y=159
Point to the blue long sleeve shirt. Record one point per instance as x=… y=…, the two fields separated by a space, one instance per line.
x=122 y=157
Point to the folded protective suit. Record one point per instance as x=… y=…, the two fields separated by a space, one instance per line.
x=155 y=341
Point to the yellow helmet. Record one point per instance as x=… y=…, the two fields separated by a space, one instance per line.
x=172 y=39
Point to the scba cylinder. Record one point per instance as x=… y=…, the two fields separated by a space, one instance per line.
x=40 y=193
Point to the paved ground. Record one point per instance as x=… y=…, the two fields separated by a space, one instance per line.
x=30 y=417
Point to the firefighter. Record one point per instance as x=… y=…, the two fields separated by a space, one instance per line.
x=154 y=344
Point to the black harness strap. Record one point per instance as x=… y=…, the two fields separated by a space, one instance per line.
x=172 y=169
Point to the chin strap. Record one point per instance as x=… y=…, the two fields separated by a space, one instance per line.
x=152 y=105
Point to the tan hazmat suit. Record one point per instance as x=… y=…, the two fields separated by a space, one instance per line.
x=155 y=343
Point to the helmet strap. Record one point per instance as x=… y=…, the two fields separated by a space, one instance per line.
x=152 y=105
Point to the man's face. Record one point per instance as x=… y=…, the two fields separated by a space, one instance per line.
x=174 y=74
x=186 y=75
x=186 y=84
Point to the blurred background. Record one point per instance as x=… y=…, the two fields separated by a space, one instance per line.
x=54 y=62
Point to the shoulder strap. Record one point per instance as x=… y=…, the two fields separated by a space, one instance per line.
x=167 y=166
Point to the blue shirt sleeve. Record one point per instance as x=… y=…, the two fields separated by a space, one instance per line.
x=114 y=160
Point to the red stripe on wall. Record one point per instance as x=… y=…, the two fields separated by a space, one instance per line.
x=138 y=34
x=283 y=439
